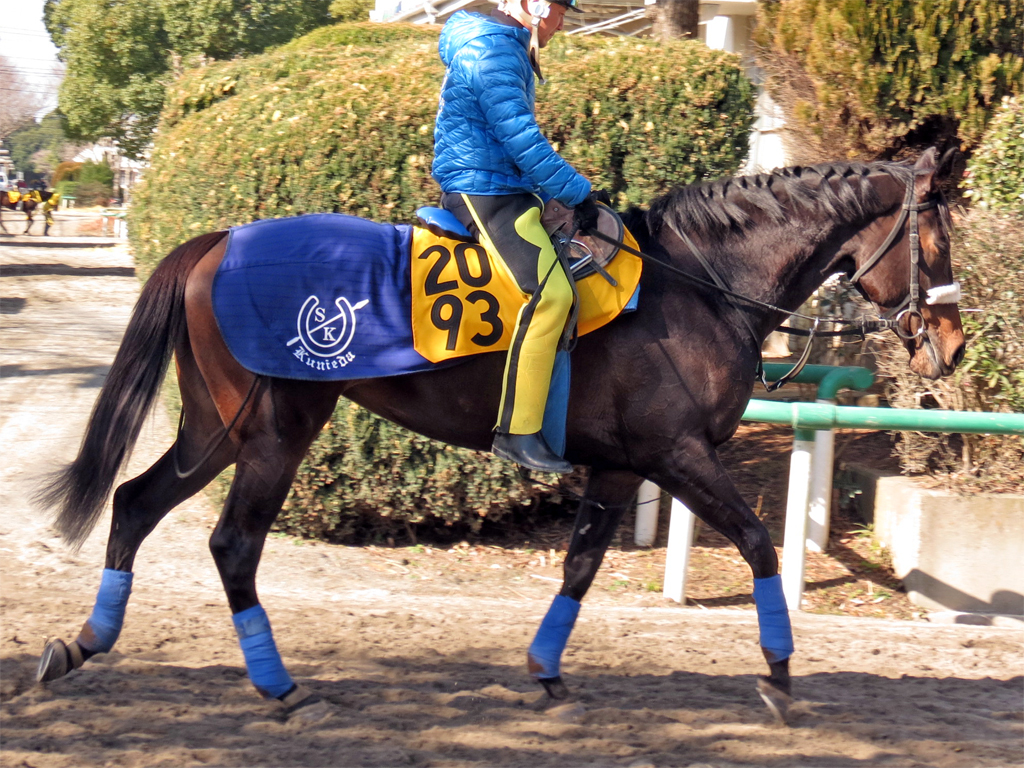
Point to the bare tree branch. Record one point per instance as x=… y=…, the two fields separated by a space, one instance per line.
x=20 y=99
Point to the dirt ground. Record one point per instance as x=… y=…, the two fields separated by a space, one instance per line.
x=420 y=650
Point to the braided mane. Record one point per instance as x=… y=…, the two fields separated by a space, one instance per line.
x=833 y=190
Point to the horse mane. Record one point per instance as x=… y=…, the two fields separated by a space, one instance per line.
x=717 y=208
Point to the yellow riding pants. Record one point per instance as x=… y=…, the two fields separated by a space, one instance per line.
x=509 y=226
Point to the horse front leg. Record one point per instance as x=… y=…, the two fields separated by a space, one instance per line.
x=608 y=495
x=693 y=473
x=28 y=222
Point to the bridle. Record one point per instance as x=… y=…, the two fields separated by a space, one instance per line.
x=908 y=308
x=910 y=208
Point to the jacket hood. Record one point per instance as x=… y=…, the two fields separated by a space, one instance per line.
x=464 y=27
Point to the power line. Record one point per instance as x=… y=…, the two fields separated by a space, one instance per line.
x=31 y=70
x=28 y=90
x=28 y=58
x=34 y=72
x=24 y=34
x=19 y=29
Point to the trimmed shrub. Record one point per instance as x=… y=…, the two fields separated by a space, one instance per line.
x=995 y=174
x=351 y=10
x=89 y=193
x=869 y=76
x=342 y=120
x=96 y=173
x=67 y=189
x=67 y=171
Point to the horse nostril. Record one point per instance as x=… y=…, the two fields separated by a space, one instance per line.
x=958 y=356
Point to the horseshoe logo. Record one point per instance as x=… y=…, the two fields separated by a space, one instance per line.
x=325 y=336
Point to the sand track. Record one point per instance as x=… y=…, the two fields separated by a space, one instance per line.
x=418 y=671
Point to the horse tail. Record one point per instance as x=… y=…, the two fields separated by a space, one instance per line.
x=80 y=490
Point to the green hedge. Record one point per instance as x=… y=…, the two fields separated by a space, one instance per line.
x=864 y=75
x=342 y=120
x=995 y=173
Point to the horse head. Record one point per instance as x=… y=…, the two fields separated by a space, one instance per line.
x=903 y=266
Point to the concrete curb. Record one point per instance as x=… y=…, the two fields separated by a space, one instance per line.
x=21 y=241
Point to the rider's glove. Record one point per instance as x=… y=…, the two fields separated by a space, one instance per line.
x=585 y=215
x=601 y=196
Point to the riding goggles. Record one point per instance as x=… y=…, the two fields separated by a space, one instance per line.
x=571 y=4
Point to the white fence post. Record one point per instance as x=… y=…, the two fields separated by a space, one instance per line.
x=796 y=518
x=645 y=529
x=820 y=508
x=677 y=555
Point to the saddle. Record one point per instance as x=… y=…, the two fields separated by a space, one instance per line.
x=586 y=255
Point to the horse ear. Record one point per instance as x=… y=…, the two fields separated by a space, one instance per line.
x=926 y=162
x=929 y=172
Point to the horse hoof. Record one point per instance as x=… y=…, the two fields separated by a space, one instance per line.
x=309 y=714
x=54 y=663
x=777 y=700
x=303 y=708
x=555 y=687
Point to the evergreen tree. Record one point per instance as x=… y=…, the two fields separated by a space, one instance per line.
x=121 y=54
x=872 y=76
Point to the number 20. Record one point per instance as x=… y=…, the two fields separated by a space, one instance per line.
x=453 y=322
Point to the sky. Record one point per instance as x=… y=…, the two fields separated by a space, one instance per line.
x=24 y=41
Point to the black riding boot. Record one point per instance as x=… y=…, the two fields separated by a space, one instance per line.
x=530 y=451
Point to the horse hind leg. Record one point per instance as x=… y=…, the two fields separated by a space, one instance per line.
x=139 y=505
x=609 y=493
x=288 y=419
x=694 y=474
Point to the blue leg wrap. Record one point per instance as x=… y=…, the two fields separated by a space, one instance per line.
x=100 y=631
x=545 y=654
x=266 y=670
x=773 y=617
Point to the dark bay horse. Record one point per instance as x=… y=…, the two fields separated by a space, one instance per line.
x=653 y=394
x=28 y=207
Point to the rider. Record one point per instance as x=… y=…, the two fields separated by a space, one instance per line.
x=496 y=171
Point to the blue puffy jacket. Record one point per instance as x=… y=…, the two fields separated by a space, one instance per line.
x=486 y=138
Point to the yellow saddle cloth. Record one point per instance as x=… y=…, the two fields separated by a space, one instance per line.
x=465 y=300
x=15 y=195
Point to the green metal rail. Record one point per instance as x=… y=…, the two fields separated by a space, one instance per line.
x=805 y=416
x=829 y=378
x=810 y=476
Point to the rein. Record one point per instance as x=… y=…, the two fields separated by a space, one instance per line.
x=859 y=328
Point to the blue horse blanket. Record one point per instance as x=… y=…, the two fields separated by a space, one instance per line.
x=325 y=297
x=320 y=297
